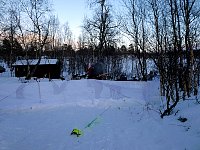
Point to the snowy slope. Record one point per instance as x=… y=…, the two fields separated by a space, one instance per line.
x=41 y=115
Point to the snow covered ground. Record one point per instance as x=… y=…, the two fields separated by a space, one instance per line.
x=123 y=116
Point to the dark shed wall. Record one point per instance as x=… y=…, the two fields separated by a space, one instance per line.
x=49 y=71
x=21 y=71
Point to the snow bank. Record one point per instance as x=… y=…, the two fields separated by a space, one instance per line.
x=83 y=92
x=41 y=115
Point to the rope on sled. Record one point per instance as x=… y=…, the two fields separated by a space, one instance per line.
x=79 y=132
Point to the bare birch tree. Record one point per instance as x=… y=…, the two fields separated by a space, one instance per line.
x=37 y=12
x=10 y=19
x=101 y=27
x=134 y=25
x=67 y=34
x=174 y=33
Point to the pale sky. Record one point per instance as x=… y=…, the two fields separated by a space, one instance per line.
x=74 y=11
x=71 y=11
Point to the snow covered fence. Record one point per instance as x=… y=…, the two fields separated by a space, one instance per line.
x=137 y=91
x=80 y=92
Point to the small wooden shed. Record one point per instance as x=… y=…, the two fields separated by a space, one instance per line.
x=2 y=69
x=48 y=68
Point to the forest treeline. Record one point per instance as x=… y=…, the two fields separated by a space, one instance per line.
x=166 y=31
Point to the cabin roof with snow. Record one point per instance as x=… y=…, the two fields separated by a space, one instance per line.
x=50 y=68
x=34 y=62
